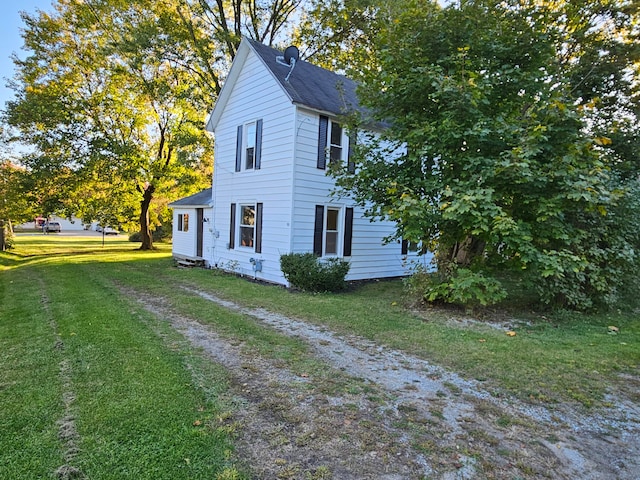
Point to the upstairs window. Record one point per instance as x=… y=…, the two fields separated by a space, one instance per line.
x=333 y=144
x=249 y=146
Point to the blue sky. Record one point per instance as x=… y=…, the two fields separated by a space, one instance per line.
x=10 y=39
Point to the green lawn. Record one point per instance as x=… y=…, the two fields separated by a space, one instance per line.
x=144 y=404
x=73 y=349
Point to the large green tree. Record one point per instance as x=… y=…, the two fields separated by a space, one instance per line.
x=512 y=126
x=114 y=93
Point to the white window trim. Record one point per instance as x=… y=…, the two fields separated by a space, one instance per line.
x=339 y=231
x=344 y=138
x=240 y=225
x=181 y=222
x=246 y=139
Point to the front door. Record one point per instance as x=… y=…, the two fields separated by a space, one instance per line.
x=199 y=232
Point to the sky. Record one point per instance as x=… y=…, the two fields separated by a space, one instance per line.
x=10 y=39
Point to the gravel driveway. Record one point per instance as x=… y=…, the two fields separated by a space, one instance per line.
x=401 y=417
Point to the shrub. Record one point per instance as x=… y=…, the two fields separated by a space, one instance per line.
x=461 y=286
x=307 y=272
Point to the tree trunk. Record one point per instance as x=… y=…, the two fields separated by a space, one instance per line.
x=145 y=230
x=462 y=254
x=3 y=244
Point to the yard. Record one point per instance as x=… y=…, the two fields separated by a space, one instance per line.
x=117 y=364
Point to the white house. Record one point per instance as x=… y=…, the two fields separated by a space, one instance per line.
x=276 y=127
x=66 y=224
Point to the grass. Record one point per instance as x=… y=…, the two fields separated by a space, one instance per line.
x=131 y=400
x=552 y=358
x=144 y=403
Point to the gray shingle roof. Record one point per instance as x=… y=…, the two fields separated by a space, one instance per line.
x=200 y=199
x=310 y=85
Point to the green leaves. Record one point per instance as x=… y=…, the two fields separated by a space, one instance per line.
x=113 y=95
x=509 y=157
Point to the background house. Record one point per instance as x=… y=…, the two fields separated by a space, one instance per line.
x=66 y=224
x=277 y=130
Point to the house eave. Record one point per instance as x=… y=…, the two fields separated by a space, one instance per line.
x=227 y=87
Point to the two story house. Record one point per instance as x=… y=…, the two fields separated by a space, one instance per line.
x=277 y=130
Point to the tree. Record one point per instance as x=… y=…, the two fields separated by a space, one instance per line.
x=506 y=137
x=338 y=34
x=114 y=94
x=15 y=203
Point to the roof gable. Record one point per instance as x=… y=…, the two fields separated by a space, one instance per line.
x=308 y=85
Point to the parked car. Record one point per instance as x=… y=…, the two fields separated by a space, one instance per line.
x=51 y=227
x=110 y=231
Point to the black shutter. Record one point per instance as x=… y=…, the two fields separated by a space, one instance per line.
x=239 y=149
x=322 y=142
x=405 y=247
x=351 y=164
x=317 y=230
x=232 y=227
x=258 y=239
x=258 y=144
x=348 y=231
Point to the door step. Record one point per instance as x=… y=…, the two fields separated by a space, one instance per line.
x=189 y=262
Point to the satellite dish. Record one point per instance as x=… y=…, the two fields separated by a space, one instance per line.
x=291 y=53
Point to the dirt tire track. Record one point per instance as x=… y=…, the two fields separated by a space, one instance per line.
x=67 y=431
x=417 y=426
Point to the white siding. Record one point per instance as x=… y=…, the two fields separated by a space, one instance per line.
x=207 y=235
x=370 y=256
x=184 y=243
x=255 y=95
x=288 y=185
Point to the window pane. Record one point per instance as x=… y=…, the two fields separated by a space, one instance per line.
x=336 y=134
x=331 y=232
x=246 y=236
x=247 y=222
x=332 y=220
x=332 y=243
x=185 y=222
x=251 y=135
x=250 y=158
x=335 y=150
x=248 y=215
x=336 y=154
x=249 y=162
